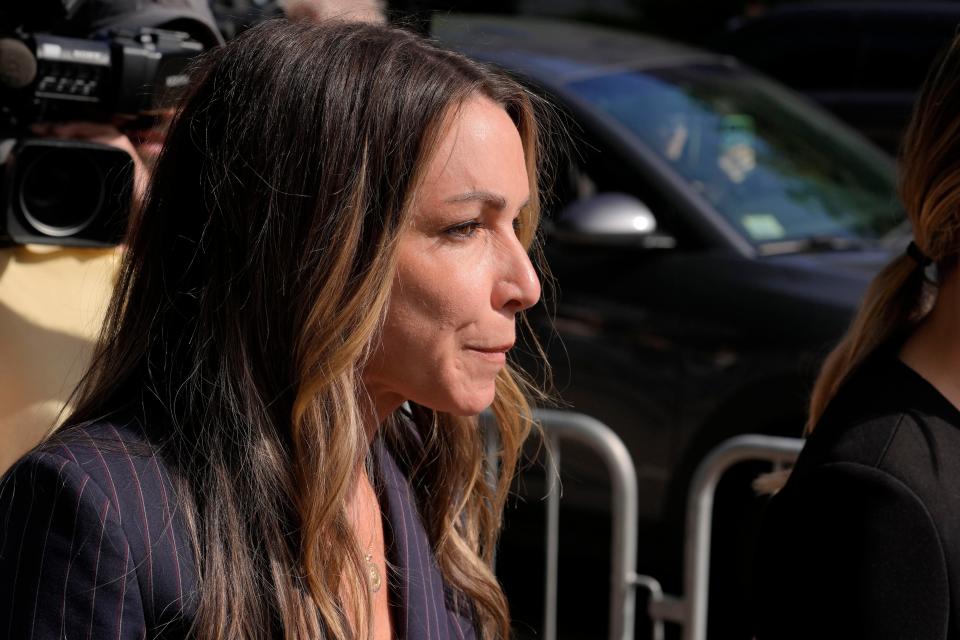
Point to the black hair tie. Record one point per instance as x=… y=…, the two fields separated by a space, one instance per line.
x=930 y=271
x=919 y=256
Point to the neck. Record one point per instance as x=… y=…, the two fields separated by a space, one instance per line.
x=933 y=350
x=379 y=408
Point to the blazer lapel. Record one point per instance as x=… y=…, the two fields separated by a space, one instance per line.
x=417 y=591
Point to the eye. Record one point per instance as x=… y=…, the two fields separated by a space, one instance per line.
x=463 y=230
x=517 y=225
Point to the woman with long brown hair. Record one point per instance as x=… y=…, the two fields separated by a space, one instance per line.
x=863 y=541
x=277 y=437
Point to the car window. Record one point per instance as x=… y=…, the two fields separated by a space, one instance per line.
x=776 y=168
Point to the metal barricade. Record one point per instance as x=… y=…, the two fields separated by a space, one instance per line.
x=689 y=612
x=589 y=432
x=779 y=451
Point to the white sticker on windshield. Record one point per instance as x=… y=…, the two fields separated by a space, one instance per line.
x=762 y=226
x=738 y=154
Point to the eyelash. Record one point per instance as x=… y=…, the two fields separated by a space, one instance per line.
x=463 y=230
x=468 y=229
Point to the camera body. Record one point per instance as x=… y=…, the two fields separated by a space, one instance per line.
x=70 y=192
x=122 y=74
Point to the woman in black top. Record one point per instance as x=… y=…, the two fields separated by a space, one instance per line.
x=863 y=541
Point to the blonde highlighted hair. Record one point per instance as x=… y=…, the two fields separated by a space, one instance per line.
x=252 y=291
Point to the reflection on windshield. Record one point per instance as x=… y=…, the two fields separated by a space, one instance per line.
x=777 y=169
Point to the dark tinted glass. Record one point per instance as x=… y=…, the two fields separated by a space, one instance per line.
x=776 y=168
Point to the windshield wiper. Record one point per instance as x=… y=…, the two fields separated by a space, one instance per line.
x=811 y=244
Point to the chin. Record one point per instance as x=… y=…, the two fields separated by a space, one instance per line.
x=469 y=412
x=466 y=407
x=461 y=409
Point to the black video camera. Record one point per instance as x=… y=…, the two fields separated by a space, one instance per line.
x=70 y=192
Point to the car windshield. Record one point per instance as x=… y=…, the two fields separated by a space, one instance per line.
x=776 y=168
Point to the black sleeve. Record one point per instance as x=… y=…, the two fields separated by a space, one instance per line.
x=849 y=551
x=65 y=565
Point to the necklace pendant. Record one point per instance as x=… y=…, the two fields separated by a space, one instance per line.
x=373 y=574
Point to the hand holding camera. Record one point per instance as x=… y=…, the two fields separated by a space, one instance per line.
x=81 y=118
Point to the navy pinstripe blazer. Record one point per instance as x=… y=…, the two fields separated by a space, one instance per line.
x=93 y=546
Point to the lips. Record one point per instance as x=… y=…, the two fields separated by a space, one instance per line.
x=496 y=354
x=496 y=349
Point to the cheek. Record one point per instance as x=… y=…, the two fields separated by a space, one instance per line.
x=434 y=298
x=433 y=314
x=419 y=336
x=420 y=313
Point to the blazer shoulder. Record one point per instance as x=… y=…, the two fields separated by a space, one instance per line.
x=117 y=456
x=861 y=440
x=889 y=417
x=919 y=449
x=65 y=561
x=44 y=471
x=848 y=528
x=116 y=461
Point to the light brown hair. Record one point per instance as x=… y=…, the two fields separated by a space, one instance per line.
x=897 y=298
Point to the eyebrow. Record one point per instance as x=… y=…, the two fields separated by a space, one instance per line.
x=492 y=199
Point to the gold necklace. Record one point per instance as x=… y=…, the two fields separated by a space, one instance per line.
x=374 y=582
x=373 y=572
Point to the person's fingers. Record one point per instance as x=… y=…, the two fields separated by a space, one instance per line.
x=91 y=131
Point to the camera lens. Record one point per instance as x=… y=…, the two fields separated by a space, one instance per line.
x=61 y=192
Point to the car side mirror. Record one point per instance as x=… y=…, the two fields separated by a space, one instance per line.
x=611 y=219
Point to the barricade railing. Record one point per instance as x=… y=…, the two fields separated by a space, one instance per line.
x=690 y=612
x=593 y=434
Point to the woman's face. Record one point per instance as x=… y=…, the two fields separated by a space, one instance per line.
x=462 y=273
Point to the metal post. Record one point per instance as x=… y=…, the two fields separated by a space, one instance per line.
x=689 y=612
x=657 y=597
x=594 y=434
x=553 y=537
x=780 y=451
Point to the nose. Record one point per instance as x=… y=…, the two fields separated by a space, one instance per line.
x=518 y=286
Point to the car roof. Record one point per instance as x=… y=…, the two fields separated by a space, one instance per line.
x=559 y=51
x=916 y=8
